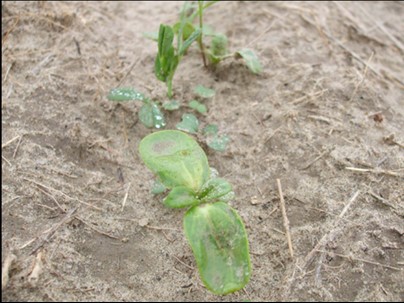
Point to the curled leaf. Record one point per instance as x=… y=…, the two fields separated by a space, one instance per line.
x=251 y=60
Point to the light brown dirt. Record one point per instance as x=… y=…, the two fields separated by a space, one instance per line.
x=326 y=117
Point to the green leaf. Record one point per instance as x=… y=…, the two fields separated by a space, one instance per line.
x=218 y=143
x=160 y=73
x=210 y=129
x=219 y=45
x=189 y=124
x=125 y=94
x=187 y=30
x=171 y=105
x=179 y=197
x=219 y=242
x=175 y=158
x=166 y=38
x=158 y=188
x=187 y=43
x=197 y=106
x=151 y=116
x=251 y=60
x=204 y=92
x=214 y=190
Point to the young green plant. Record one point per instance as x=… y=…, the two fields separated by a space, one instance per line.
x=218 y=49
x=168 y=57
x=190 y=122
x=149 y=114
x=214 y=230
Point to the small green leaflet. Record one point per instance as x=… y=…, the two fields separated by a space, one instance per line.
x=219 y=45
x=187 y=43
x=188 y=124
x=204 y=92
x=219 y=242
x=158 y=188
x=210 y=129
x=187 y=30
x=151 y=116
x=171 y=105
x=179 y=197
x=216 y=189
x=251 y=60
x=199 y=107
x=125 y=94
x=218 y=143
x=215 y=141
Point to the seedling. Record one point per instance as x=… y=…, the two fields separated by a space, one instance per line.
x=149 y=114
x=214 y=230
x=218 y=49
x=168 y=57
x=190 y=122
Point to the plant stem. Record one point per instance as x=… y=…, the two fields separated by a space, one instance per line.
x=170 y=86
x=192 y=17
x=200 y=12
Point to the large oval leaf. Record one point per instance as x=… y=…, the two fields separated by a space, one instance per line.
x=176 y=158
x=219 y=242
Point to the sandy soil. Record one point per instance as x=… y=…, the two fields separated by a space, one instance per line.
x=326 y=117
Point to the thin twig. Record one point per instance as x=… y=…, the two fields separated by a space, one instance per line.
x=361 y=260
x=318 y=158
x=384 y=201
x=8 y=261
x=262 y=34
x=36 y=270
x=183 y=263
x=161 y=228
x=8 y=71
x=331 y=234
x=356 y=56
x=285 y=218
x=382 y=28
x=18 y=145
x=76 y=216
x=363 y=78
x=129 y=71
x=273 y=134
x=9 y=141
x=375 y=171
x=125 y=197
x=96 y=229
x=8 y=162
x=49 y=233
x=62 y=193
